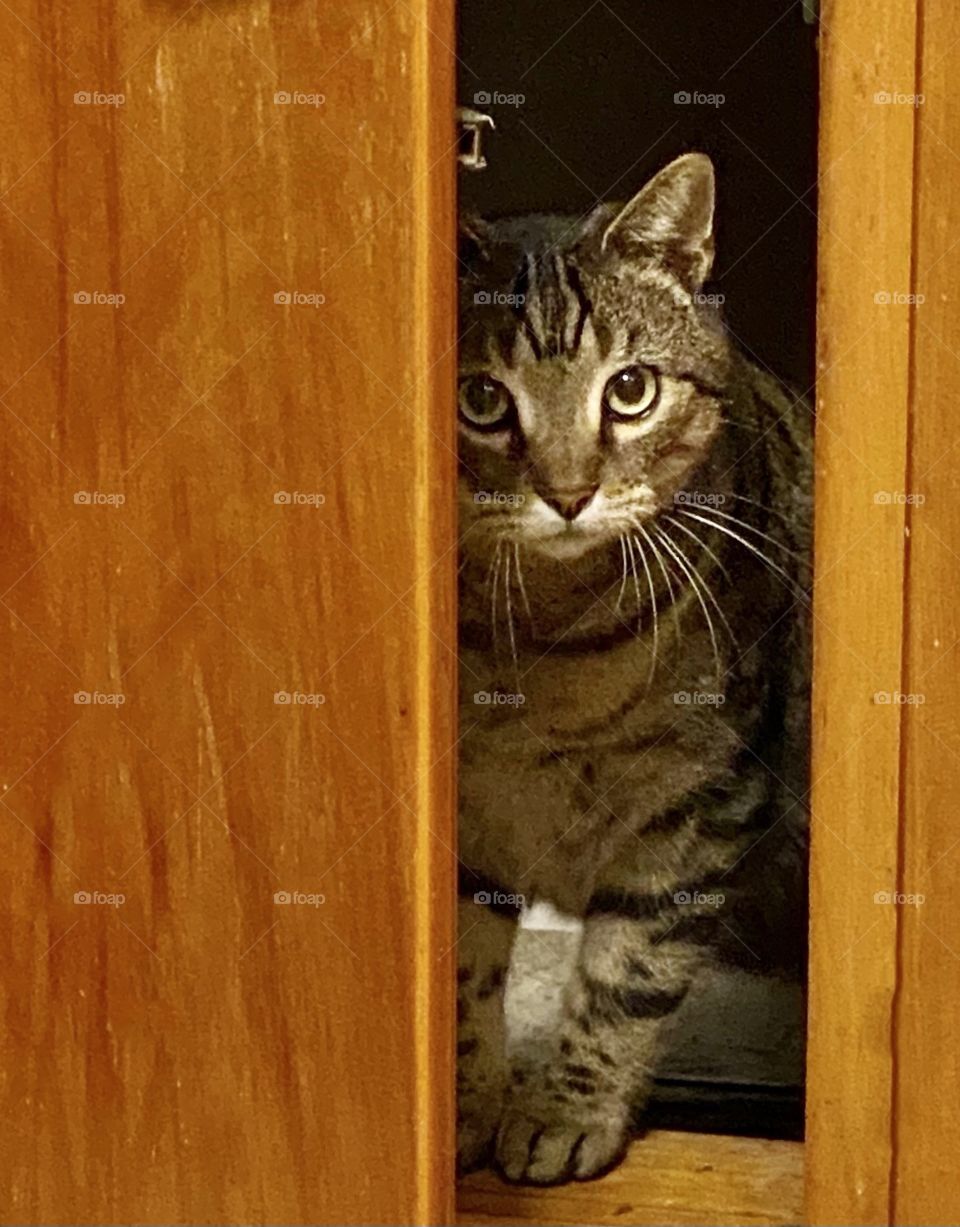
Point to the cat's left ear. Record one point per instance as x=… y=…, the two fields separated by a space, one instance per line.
x=672 y=218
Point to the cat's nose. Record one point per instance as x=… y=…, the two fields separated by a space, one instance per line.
x=569 y=503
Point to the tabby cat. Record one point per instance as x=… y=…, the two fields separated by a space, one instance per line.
x=635 y=522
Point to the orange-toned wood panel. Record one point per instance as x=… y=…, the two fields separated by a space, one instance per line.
x=926 y=1122
x=666 y=1178
x=866 y=169
x=227 y=504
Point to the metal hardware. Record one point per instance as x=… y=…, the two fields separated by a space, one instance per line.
x=472 y=125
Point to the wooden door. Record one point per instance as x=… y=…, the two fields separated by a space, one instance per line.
x=883 y=1128
x=227 y=588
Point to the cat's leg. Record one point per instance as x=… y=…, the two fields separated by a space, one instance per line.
x=638 y=956
x=485 y=939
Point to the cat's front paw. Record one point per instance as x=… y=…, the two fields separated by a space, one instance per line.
x=553 y=1143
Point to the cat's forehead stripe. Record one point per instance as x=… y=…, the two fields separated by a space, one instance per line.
x=552 y=307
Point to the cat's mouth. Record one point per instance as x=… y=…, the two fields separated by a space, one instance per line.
x=564 y=537
x=568 y=541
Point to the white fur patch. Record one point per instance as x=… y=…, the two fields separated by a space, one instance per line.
x=545 y=916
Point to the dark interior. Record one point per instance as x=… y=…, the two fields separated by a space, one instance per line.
x=598 y=117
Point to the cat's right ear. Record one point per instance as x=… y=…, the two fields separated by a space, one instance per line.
x=473 y=240
x=672 y=218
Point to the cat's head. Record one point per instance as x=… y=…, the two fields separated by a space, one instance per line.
x=591 y=373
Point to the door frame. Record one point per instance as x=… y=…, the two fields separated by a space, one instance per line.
x=885 y=975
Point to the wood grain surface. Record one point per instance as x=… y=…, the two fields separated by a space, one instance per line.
x=865 y=211
x=667 y=1178
x=213 y=496
x=927 y=1020
x=883 y=1131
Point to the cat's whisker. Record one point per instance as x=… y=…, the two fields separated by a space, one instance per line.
x=492 y=579
x=703 y=583
x=653 y=609
x=775 y=567
x=692 y=576
x=492 y=567
x=745 y=524
x=623 y=581
x=678 y=631
x=636 y=581
x=520 y=584
x=703 y=545
x=509 y=604
x=742 y=498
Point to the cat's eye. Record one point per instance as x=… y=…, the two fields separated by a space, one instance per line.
x=485 y=403
x=631 y=394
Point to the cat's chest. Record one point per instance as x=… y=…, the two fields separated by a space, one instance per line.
x=565 y=701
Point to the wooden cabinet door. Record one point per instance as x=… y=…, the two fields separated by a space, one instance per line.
x=883 y=1127
x=227 y=594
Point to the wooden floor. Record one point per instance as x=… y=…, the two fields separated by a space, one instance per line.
x=667 y=1178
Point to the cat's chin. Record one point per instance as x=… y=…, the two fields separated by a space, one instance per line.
x=568 y=544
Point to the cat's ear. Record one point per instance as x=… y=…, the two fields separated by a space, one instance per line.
x=672 y=218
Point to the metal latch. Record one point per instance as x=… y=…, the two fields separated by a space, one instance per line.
x=472 y=125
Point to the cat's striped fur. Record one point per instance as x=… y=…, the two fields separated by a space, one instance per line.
x=633 y=601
